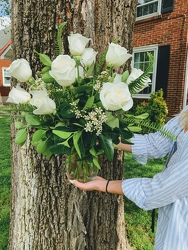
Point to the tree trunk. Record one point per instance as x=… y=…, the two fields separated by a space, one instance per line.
x=47 y=213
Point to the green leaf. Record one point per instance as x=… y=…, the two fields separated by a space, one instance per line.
x=125 y=75
x=38 y=135
x=65 y=143
x=44 y=59
x=142 y=116
x=32 y=120
x=21 y=137
x=46 y=77
x=43 y=148
x=45 y=69
x=89 y=103
x=19 y=125
x=66 y=110
x=59 y=149
x=76 y=138
x=90 y=69
x=107 y=146
x=96 y=162
x=93 y=152
x=112 y=121
x=135 y=129
x=62 y=134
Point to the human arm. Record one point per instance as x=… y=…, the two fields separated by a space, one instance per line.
x=165 y=187
x=154 y=145
x=100 y=184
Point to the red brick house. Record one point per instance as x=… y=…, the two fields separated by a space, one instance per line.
x=5 y=60
x=162 y=29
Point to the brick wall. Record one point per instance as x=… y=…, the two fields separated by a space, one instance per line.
x=168 y=29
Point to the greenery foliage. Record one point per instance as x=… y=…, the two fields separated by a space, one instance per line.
x=156 y=107
x=5 y=179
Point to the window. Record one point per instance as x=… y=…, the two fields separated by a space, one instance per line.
x=6 y=77
x=141 y=61
x=149 y=8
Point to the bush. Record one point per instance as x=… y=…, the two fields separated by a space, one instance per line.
x=156 y=107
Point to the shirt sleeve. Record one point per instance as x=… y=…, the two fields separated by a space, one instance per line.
x=154 y=145
x=165 y=187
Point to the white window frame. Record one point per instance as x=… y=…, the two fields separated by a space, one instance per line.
x=152 y=14
x=3 y=76
x=148 y=48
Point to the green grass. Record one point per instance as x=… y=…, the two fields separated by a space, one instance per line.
x=5 y=182
x=138 y=221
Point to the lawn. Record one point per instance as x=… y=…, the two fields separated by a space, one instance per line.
x=5 y=182
x=138 y=222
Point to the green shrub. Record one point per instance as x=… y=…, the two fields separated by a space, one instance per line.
x=156 y=107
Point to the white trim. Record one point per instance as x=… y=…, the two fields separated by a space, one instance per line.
x=185 y=97
x=3 y=55
x=3 y=77
x=157 y=13
x=154 y=48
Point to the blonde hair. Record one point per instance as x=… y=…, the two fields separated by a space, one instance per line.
x=184 y=119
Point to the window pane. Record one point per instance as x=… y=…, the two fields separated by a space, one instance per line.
x=142 y=61
x=147 y=7
x=6 y=77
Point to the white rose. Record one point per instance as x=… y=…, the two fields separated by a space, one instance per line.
x=44 y=104
x=116 y=55
x=77 y=44
x=20 y=69
x=63 y=70
x=88 y=57
x=115 y=96
x=135 y=73
x=18 y=95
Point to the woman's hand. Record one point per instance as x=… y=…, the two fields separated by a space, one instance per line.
x=100 y=184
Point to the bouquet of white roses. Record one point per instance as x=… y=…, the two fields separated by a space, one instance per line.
x=75 y=106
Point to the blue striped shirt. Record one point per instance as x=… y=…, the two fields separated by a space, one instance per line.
x=167 y=190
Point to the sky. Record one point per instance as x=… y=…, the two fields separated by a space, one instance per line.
x=4 y=22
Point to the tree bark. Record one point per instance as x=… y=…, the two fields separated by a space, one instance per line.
x=47 y=213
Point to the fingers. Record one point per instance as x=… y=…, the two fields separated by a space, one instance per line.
x=83 y=186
